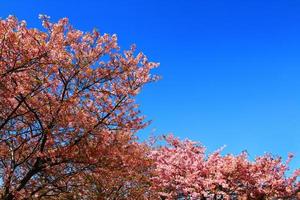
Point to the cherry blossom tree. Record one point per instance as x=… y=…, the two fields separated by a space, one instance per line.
x=67 y=108
x=183 y=169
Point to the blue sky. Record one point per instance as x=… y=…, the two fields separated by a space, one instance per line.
x=230 y=69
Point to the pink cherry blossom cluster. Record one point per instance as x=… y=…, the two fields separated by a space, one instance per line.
x=62 y=91
x=183 y=169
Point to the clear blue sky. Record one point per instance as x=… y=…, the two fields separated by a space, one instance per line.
x=230 y=69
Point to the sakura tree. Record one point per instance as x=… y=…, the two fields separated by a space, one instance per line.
x=67 y=109
x=183 y=169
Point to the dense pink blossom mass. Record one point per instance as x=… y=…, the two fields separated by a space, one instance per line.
x=68 y=120
x=66 y=104
x=183 y=169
